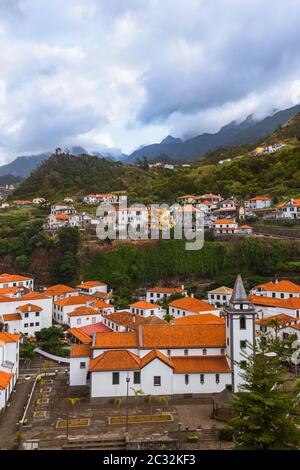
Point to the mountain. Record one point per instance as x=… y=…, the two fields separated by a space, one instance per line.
x=233 y=134
x=67 y=175
x=24 y=165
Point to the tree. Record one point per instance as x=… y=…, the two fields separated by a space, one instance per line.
x=168 y=317
x=28 y=351
x=69 y=239
x=70 y=403
x=265 y=408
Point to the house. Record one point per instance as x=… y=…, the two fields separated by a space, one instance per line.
x=102 y=198
x=289 y=209
x=258 y=202
x=219 y=296
x=157 y=294
x=103 y=307
x=9 y=366
x=22 y=203
x=215 y=198
x=27 y=314
x=84 y=334
x=91 y=287
x=39 y=201
x=14 y=280
x=187 y=199
x=82 y=316
x=280 y=325
x=145 y=309
x=57 y=221
x=283 y=289
x=172 y=360
x=61 y=308
x=266 y=306
x=203 y=319
x=190 y=306
x=245 y=230
x=225 y=227
x=60 y=291
x=61 y=208
x=126 y=321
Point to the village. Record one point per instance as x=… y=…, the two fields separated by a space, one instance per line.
x=166 y=348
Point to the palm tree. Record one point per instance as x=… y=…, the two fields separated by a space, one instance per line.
x=163 y=400
x=137 y=393
x=118 y=402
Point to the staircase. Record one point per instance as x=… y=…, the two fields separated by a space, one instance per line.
x=95 y=444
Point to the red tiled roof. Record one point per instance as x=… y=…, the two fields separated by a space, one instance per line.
x=115 y=340
x=83 y=311
x=74 y=300
x=192 y=304
x=8 y=337
x=5 y=378
x=280 y=286
x=282 y=320
x=11 y=317
x=80 y=350
x=166 y=290
x=144 y=305
x=89 y=284
x=29 y=308
x=80 y=335
x=115 y=360
x=200 y=364
x=155 y=354
x=202 y=319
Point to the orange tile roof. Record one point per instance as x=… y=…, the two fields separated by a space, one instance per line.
x=282 y=320
x=74 y=300
x=260 y=198
x=83 y=311
x=12 y=290
x=58 y=289
x=62 y=216
x=202 y=319
x=80 y=335
x=200 y=364
x=292 y=303
x=29 y=308
x=144 y=305
x=246 y=227
x=192 y=304
x=5 y=378
x=8 y=337
x=224 y=221
x=89 y=284
x=182 y=336
x=11 y=317
x=155 y=354
x=129 y=320
x=280 y=286
x=295 y=203
x=5 y=277
x=166 y=290
x=80 y=350
x=101 y=304
x=115 y=360
x=115 y=340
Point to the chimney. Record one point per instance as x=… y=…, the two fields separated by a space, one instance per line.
x=29 y=308
x=192 y=295
x=182 y=286
x=276 y=279
x=133 y=318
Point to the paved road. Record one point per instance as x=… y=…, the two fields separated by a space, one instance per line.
x=13 y=413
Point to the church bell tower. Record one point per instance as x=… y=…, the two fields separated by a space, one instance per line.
x=240 y=318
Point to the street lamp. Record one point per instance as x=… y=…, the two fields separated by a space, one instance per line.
x=127 y=394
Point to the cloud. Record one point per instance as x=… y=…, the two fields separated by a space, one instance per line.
x=120 y=74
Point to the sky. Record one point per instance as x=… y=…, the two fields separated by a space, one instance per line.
x=124 y=73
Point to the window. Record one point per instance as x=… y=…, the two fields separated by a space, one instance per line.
x=37 y=323
x=94 y=320
x=116 y=378
x=204 y=352
x=78 y=321
x=137 y=377
x=186 y=379
x=282 y=296
x=169 y=352
x=186 y=352
x=243 y=344
x=243 y=364
x=152 y=312
x=222 y=352
x=157 y=381
x=25 y=325
x=217 y=378
x=82 y=365
x=26 y=315
x=202 y=378
x=37 y=314
x=31 y=324
x=242 y=323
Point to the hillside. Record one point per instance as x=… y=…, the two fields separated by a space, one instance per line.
x=23 y=166
x=63 y=175
x=233 y=134
x=289 y=131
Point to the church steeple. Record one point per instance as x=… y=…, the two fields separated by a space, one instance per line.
x=240 y=317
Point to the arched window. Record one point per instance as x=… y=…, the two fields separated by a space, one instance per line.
x=242 y=323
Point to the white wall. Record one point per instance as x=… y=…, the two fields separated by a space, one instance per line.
x=78 y=375
x=82 y=320
x=195 y=386
x=44 y=319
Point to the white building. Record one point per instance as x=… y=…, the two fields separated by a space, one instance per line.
x=145 y=309
x=60 y=291
x=61 y=208
x=14 y=280
x=270 y=306
x=158 y=294
x=190 y=306
x=91 y=287
x=289 y=209
x=9 y=366
x=61 y=308
x=219 y=296
x=27 y=314
x=258 y=202
x=279 y=289
x=280 y=325
x=82 y=316
x=225 y=227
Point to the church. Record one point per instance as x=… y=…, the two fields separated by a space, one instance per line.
x=196 y=357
